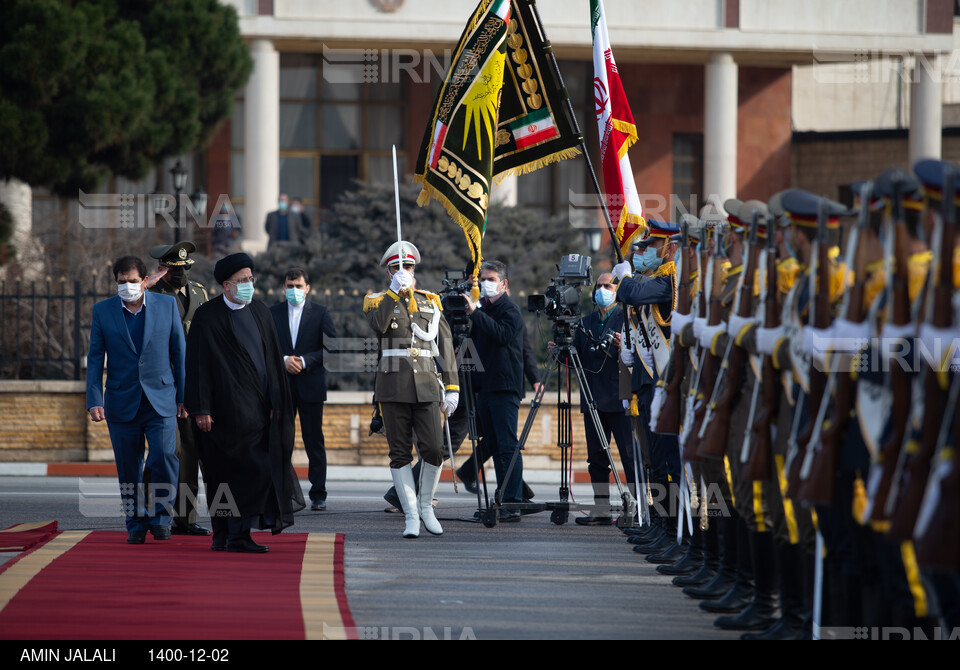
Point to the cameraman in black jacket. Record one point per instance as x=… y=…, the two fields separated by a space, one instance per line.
x=497 y=334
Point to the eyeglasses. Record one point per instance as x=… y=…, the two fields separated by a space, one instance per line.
x=246 y=280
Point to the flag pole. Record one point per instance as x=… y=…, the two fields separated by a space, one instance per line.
x=558 y=80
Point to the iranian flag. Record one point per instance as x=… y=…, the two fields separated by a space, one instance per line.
x=617 y=133
x=534 y=128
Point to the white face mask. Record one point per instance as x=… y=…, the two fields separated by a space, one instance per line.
x=488 y=289
x=129 y=292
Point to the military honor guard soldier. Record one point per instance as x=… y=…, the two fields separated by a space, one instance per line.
x=415 y=345
x=174 y=265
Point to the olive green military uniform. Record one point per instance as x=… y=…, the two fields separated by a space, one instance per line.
x=407 y=388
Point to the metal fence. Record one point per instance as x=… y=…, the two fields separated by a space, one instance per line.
x=45 y=327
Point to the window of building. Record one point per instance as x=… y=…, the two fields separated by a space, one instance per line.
x=334 y=131
x=550 y=189
x=687 y=174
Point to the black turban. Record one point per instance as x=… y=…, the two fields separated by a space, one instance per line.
x=228 y=265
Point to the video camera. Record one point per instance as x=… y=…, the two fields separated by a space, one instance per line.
x=455 y=305
x=561 y=300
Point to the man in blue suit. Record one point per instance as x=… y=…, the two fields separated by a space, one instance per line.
x=143 y=341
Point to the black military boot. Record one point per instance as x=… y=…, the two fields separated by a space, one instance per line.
x=726 y=574
x=690 y=561
x=792 y=623
x=710 y=564
x=759 y=614
x=741 y=593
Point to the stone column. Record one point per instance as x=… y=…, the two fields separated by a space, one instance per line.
x=720 y=128
x=926 y=109
x=261 y=135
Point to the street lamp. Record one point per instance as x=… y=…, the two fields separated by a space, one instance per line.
x=179 y=174
x=594 y=237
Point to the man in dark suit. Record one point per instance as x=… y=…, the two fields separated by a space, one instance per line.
x=284 y=225
x=143 y=339
x=301 y=326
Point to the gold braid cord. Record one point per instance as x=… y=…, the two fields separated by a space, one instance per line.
x=665 y=270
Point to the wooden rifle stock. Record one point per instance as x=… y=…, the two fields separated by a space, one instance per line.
x=900 y=386
x=759 y=463
x=820 y=485
x=938 y=546
x=818 y=378
x=916 y=470
x=715 y=444
x=669 y=420
x=708 y=374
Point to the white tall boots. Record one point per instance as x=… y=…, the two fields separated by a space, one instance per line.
x=429 y=478
x=406 y=491
x=417 y=508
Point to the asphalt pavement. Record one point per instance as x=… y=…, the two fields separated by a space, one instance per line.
x=529 y=580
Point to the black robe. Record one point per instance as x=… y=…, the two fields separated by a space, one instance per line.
x=246 y=450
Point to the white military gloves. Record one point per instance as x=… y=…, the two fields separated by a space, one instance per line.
x=450 y=401
x=401 y=280
x=621 y=270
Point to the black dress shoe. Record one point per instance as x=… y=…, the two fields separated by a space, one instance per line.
x=655 y=547
x=698 y=578
x=188 y=529
x=509 y=516
x=246 y=545
x=685 y=565
x=136 y=537
x=715 y=589
x=160 y=532
x=218 y=546
x=318 y=506
x=735 y=600
x=669 y=555
x=469 y=483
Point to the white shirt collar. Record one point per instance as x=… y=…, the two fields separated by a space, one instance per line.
x=232 y=305
x=142 y=304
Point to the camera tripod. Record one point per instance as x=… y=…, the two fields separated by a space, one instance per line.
x=566 y=354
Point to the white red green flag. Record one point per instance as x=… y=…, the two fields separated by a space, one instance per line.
x=617 y=133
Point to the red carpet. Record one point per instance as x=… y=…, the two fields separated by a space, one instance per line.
x=93 y=586
x=22 y=536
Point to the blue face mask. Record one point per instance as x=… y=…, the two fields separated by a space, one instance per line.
x=282 y=206
x=244 y=292
x=295 y=296
x=651 y=258
x=648 y=260
x=605 y=297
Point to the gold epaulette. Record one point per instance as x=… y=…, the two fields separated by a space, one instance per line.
x=372 y=301
x=918 y=266
x=839 y=280
x=787 y=272
x=433 y=296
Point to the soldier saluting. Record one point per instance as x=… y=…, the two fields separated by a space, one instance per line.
x=174 y=260
x=415 y=346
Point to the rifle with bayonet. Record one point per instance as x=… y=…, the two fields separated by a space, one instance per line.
x=714 y=441
x=819 y=478
x=820 y=319
x=896 y=251
x=669 y=420
x=757 y=454
x=709 y=365
x=915 y=459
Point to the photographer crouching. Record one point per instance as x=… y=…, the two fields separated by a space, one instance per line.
x=497 y=334
x=597 y=342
